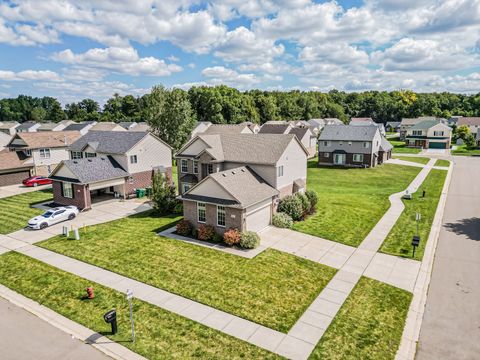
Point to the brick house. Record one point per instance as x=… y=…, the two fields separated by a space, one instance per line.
x=239 y=177
x=352 y=146
x=429 y=134
x=109 y=164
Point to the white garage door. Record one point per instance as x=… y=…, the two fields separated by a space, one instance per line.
x=259 y=219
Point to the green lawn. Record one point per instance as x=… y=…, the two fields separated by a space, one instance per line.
x=398 y=242
x=441 y=162
x=175 y=176
x=159 y=334
x=419 y=160
x=351 y=201
x=462 y=150
x=399 y=147
x=368 y=326
x=16 y=210
x=272 y=289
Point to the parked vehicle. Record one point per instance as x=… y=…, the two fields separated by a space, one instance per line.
x=53 y=216
x=36 y=180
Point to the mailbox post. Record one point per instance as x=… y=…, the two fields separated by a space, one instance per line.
x=111 y=318
x=415 y=243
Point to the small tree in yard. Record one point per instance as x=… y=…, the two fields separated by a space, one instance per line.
x=163 y=194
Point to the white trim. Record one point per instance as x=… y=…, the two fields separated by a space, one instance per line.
x=181 y=166
x=224 y=213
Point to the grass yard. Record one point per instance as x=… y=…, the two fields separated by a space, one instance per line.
x=415 y=159
x=175 y=176
x=441 y=162
x=368 y=326
x=398 y=241
x=272 y=289
x=159 y=334
x=16 y=210
x=463 y=151
x=399 y=147
x=351 y=201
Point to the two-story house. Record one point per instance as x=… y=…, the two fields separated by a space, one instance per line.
x=83 y=127
x=352 y=146
x=407 y=123
x=109 y=164
x=43 y=150
x=235 y=180
x=28 y=126
x=9 y=128
x=301 y=129
x=429 y=134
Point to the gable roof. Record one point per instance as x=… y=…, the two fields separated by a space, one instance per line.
x=45 y=139
x=9 y=125
x=363 y=120
x=107 y=126
x=242 y=183
x=385 y=144
x=424 y=125
x=77 y=126
x=393 y=123
x=226 y=129
x=141 y=126
x=414 y=121
x=246 y=148
x=469 y=121
x=127 y=124
x=273 y=128
x=47 y=126
x=109 y=142
x=12 y=160
x=26 y=125
x=89 y=170
x=349 y=132
x=300 y=132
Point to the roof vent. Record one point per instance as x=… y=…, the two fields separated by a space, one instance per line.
x=243 y=170
x=233 y=172
x=89 y=160
x=224 y=175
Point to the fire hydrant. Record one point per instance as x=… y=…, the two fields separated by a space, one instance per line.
x=90 y=294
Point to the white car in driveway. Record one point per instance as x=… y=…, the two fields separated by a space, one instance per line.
x=53 y=216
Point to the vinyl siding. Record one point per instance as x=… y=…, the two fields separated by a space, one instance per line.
x=211 y=189
x=151 y=153
x=294 y=162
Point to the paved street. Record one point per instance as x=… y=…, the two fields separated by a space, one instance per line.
x=23 y=336
x=451 y=324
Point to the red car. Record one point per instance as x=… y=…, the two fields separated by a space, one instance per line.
x=36 y=180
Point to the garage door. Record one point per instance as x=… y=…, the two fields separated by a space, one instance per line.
x=437 y=145
x=14 y=178
x=259 y=219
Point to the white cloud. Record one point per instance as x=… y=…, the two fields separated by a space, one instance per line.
x=336 y=52
x=121 y=60
x=36 y=75
x=223 y=75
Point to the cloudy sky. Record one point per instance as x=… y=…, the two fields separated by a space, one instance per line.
x=93 y=48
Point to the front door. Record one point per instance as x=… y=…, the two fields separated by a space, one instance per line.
x=339 y=159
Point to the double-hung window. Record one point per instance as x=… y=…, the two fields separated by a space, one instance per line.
x=90 y=155
x=210 y=168
x=44 y=153
x=201 y=212
x=183 y=166
x=438 y=133
x=67 y=190
x=195 y=166
x=221 y=215
x=76 y=155
x=133 y=159
x=358 y=157
x=185 y=188
x=280 y=171
x=417 y=132
x=366 y=144
x=326 y=143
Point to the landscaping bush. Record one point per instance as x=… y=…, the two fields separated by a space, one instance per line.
x=184 y=228
x=217 y=238
x=282 y=220
x=178 y=208
x=232 y=237
x=163 y=194
x=291 y=205
x=313 y=198
x=206 y=232
x=305 y=203
x=249 y=240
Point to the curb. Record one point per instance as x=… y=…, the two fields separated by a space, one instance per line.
x=100 y=342
x=411 y=331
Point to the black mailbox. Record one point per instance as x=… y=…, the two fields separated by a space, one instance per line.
x=416 y=241
x=111 y=318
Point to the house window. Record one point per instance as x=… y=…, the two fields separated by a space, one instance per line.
x=90 y=155
x=326 y=143
x=201 y=212
x=417 y=132
x=133 y=159
x=67 y=191
x=358 y=157
x=221 y=215
x=195 y=166
x=76 y=155
x=280 y=171
x=326 y=154
x=210 y=168
x=44 y=153
x=185 y=188
x=184 y=166
x=438 y=133
x=366 y=144
x=28 y=152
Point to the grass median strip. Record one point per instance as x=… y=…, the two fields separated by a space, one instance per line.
x=17 y=210
x=368 y=326
x=415 y=159
x=352 y=201
x=398 y=241
x=273 y=289
x=159 y=334
x=441 y=162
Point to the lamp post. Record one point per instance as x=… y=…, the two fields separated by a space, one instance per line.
x=130 y=298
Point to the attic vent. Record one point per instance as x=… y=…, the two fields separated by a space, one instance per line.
x=224 y=175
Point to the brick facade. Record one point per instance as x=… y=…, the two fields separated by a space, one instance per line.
x=81 y=195
x=142 y=180
x=14 y=178
x=237 y=221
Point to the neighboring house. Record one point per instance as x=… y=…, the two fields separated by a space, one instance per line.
x=141 y=126
x=109 y=164
x=9 y=128
x=317 y=125
x=362 y=121
x=13 y=168
x=107 y=126
x=83 y=127
x=254 y=127
x=28 y=126
x=473 y=123
x=393 y=126
x=4 y=140
x=200 y=128
x=333 y=121
x=307 y=138
x=43 y=150
x=275 y=127
x=128 y=125
x=53 y=126
x=429 y=134
x=208 y=128
x=235 y=180
x=352 y=146
x=407 y=123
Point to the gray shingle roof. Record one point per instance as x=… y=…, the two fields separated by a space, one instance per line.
x=225 y=129
x=299 y=132
x=424 y=125
x=100 y=168
x=349 y=132
x=273 y=128
x=126 y=124
x=78 y=126
x=109 y=142
x=244 y=185
x=48 y=126
x=26 y=125
x=385 y=144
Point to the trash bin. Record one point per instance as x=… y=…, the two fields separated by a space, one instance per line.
x=137 y=192
x=141 y=193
